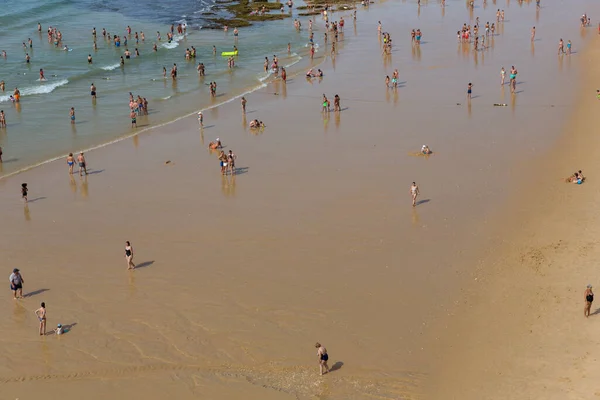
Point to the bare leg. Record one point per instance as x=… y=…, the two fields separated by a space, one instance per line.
x=20 y=293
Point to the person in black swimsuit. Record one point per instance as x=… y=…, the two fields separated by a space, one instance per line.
x=129 y=255
x=589 y=298
x=323 y=358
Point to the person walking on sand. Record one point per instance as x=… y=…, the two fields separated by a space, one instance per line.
x=40 y=313
x=129 y=255
x=82 y=164
x=16 y=283
x=414 y=192
x=70 y=162
x=323 y=357
x=589 y=298
x=24 y=191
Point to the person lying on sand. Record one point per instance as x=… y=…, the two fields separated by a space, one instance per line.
x=425 y=150
x=577 y=178
x=256 y=124
x=215 y=145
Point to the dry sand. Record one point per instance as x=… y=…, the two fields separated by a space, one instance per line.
x=313 y=240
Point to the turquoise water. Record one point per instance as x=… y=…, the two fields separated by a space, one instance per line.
x=39 y=127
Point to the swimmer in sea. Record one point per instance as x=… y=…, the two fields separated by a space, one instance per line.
x=2 y=119
x=42 y=77
x=425 y=150
x=89 y=59
x=323 y=357
x=72 y=115
x=17 y=95
x=70 y=162
x=93 y=91
x=40 y=313
x=414 y=192
x=2 y=85
x=27 y=58
x=122 y=62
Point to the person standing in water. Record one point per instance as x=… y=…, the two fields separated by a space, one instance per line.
x=129 y=255
x=589 y=298
x=243 y=104
x=469 y=91
x=72 y=115
x=93 y=91
x=414 y=192
x=40 y=313
x=323 y=357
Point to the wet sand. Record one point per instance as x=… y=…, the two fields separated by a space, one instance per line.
x=313 y=239
x=518 y=330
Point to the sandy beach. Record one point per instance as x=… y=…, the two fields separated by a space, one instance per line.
x=518 y=330
x=314 y=239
